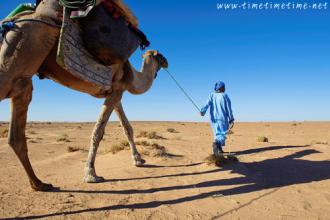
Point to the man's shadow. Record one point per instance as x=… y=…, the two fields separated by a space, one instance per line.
x=256 y=176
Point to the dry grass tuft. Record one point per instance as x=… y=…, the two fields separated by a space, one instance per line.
x=63 y=138
x=32 y=141
x=149 y=135
x=159 y=151
x=142 y=134
x=154 y=135
x=123 y=145
x=153 y=149
x=320 y=142
x=143 y=143
x=32 y=132
x=221 y=161
x=116 y=148
x=172 y=130
x=262 y=139
x=72 y=149
x=4 y=133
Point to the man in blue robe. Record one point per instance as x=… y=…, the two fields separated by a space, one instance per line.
x=221 y=116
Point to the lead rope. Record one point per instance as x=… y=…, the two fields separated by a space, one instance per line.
x=182 y=89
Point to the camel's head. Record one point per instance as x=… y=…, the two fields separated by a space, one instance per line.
x=159 y=58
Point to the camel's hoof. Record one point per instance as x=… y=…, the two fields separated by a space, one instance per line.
x=43 y=187
x=140 y=162
x=93 y=179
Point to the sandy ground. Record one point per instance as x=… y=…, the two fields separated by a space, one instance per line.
x=286 y=178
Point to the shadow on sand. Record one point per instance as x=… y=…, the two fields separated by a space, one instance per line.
x=267 y=174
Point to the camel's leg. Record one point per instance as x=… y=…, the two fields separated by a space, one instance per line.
x=138 y=161
x=107 y=109
x=23 y=50
x=16 y=139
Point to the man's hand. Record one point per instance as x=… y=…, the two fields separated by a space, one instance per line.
x=202 y=114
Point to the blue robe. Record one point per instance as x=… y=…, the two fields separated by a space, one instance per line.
x=220 y=115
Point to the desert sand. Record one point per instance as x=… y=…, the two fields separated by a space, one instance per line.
x=287 y=177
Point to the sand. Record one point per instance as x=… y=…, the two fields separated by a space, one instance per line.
x=285 y=178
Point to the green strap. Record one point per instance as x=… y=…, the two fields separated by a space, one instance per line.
x=77 y=4
x=21 y=8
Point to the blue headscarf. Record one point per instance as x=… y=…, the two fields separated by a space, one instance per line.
x=219 y=85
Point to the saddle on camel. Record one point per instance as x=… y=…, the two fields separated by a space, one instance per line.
x=83 y=40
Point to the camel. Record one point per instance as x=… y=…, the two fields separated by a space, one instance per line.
x=31 y=48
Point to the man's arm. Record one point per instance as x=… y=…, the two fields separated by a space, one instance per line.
x=229 y=110
x=206 y=106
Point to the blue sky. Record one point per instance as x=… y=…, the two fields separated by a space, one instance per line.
x=276 y=65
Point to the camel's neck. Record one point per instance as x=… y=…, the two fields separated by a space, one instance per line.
x=142 y=81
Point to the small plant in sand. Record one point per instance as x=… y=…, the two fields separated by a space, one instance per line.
x=320 y=142
x=143 y=143
x=262 y=139
x=150 y=135
x=32 y=132
x=63 y=138
x=220 y=161
x=160 y=151
x=142 y=134
x=154 y=135
x=172 y=130
x=72 y=149
x=4 y=133
x=33 y=141
x=123 y=145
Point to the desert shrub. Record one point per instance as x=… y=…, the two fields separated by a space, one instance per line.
x=143 y=143
x=220 y=161
x=4 y=133
x=32 y=141
x=262 y=139
x=32 y=132
x=142 y=134
x=116 y=148
x=159 y=151
x=63 y=138
x=145 y=153
x=172 y=130
x=149 y=135
x=154 y=135
x=320 y=142
x=123 y=145
x=72 y=149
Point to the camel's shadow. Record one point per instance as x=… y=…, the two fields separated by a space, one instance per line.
x=267 y=174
